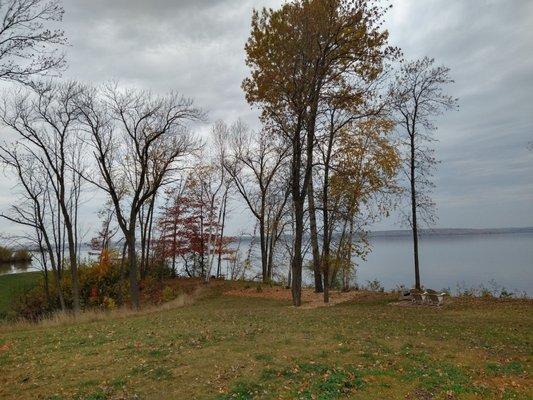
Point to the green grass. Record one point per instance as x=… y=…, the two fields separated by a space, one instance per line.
x=12 y=284
x=251 y=348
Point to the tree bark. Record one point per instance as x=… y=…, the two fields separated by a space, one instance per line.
x=73 y=266
x=132 y=267
x=221 y=236
x=263 y=244
x=314 y=238
x=296 y=285
x=413 y=213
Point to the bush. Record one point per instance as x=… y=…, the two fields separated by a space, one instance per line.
x=5 y=254
x=31 y=305
x=21 y=256
x=100 y=282
x=169 y=294
x=102 y=285
x=374 y=286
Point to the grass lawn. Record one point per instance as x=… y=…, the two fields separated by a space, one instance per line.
x=224 y=347
x=12 y=284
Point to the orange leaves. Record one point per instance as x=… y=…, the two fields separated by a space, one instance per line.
x=5 y=346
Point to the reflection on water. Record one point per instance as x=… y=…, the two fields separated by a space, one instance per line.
x=445 y=261
x=12 y=268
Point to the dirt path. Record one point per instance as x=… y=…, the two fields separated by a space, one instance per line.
x=310 y=299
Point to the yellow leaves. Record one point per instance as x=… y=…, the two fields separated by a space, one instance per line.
x=298 y=48
x=365 y=162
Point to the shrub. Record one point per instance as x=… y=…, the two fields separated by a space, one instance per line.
x=100 y=281
x=168 y=294
x=5 y=254
x=505 y=294
x=21 y=256
x=374 y=286
x=31 y=305
x=485 y=292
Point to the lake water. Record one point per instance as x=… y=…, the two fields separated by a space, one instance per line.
x=449 y=260
x=446 y=261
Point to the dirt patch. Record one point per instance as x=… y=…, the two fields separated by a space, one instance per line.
x=310 y=299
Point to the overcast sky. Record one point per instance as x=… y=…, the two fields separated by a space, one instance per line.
x=196 y=47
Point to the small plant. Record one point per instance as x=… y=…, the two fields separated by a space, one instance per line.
x=168 y=294
x=5 y=254
x=374 y=286
x=465 y=291
x=504 y=294
x=109 y=304
x=485 y=292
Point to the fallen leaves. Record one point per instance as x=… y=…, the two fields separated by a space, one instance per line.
x=5 y=346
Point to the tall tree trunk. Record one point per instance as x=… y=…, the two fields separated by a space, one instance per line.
x=73 y=267
x=46 y=284
x=289 y=278
x=413 y=213
x=270 y=261
x=327 y=230
x=59 y=291
x=55 y=268
x=263 y=244
x=296 y=286
x=219 y=261
x=132 y=267
x=149 y=236
x=142 y=226
x=314 y=238
x=123 y=257
x=348 y=259
x=174 y=247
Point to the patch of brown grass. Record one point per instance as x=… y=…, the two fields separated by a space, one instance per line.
x=310 y=299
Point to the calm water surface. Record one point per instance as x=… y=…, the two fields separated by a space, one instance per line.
x=446 y=261
x=449 y=260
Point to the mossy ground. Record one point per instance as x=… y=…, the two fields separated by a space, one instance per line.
x=224 y=347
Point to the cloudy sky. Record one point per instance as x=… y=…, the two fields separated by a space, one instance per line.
x=196 y=47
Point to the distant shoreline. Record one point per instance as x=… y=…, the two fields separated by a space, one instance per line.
x=451 y=232
x=398 y=233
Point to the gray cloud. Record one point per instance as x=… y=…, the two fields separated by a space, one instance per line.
x=196 y=47
x=486 y=175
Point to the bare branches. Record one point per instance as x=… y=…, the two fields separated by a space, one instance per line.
x=28 y=46
x=139 y=140
x=254 y=162
x=418 y=96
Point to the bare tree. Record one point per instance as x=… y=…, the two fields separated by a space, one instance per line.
x=418 y=97
x=219 y=134
x=45 y=121
x=31 y=209
x=146 y=218
x=253 y=162
x=138 y=140
x=28 y=45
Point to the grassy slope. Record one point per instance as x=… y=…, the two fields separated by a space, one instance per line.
x=12 y=284
x=224 y=347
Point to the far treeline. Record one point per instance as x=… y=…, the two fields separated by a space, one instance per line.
x=346 y=127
